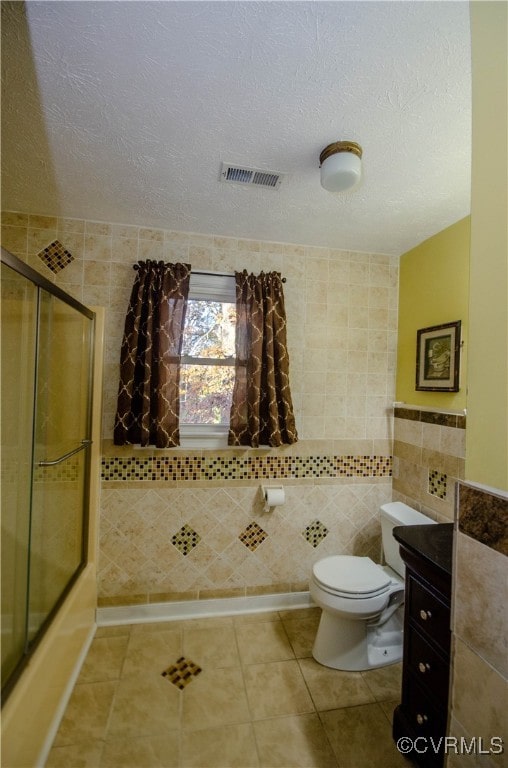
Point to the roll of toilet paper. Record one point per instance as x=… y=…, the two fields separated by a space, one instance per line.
x=274 y=496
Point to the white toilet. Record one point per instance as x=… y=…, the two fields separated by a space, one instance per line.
x=362 y=619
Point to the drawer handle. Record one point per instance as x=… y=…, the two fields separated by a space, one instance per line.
x=421 y=719
x=424 y=667
x=425 y=615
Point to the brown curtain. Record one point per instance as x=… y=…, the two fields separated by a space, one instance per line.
x=149 y=390
x=262 y=409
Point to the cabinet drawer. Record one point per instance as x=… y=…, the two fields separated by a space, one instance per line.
x=424 y=717
x=428 y=667
x=429 y=614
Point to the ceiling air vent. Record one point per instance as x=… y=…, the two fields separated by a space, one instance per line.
x=236 y=174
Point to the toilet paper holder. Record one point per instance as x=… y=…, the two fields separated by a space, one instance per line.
x=273 y=496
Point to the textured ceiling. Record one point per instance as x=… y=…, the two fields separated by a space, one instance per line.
x=124 y=111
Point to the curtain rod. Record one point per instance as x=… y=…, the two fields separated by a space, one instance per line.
x=220 y=274
x=202 y=271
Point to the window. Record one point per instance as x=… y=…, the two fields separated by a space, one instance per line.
x=208 y=361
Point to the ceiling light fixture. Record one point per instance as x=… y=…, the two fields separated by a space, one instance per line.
x=341 y=166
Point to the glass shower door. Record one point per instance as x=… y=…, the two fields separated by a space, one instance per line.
x=46 y=378
x=61 y=439
x=19 y=322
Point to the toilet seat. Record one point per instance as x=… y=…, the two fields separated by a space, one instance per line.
x=351 y=577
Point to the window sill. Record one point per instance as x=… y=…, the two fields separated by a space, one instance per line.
x=195 y=437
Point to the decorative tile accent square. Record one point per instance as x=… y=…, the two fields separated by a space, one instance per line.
x=253 y=536
x=315 y=533
x=182 y=673
x=437 y=483
x=186 y=539
x=55 y=256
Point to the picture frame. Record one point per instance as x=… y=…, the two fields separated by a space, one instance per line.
x=438 y=358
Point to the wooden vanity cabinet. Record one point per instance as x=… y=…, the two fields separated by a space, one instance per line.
x=423 y=710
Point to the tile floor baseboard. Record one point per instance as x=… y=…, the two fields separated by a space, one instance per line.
x=201 y=609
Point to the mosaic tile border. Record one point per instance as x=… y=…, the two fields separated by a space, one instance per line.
x=199 y=468
x=67 y=472
x=483 y=515
x=431 y=417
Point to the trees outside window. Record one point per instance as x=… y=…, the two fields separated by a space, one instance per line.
x=208 y=362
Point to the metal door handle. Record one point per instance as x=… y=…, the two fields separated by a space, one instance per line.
x=84 y=444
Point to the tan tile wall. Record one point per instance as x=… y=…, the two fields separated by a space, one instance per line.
x=143 y=560
x=481 y=578
x=479 y=711
x=342 y=324
x=480 y=624
x=341 y=309
x=428 y=459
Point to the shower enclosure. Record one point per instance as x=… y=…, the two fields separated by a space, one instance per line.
x=46 y=379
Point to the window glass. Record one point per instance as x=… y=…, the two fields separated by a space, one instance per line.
x=209 y=329
x=206 y=392
x=208 y=354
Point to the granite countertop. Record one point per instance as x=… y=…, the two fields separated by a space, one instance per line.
x=434 y=542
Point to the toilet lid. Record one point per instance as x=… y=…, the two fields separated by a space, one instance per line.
x=351 y=575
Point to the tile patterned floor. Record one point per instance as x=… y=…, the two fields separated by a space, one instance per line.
x=233 y=692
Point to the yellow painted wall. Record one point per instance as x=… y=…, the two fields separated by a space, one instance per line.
x=487 y=424
x=433 y=289
x=487 y=419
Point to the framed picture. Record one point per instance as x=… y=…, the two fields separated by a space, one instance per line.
x=438 y=358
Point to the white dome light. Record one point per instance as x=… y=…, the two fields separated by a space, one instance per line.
x=341 y=166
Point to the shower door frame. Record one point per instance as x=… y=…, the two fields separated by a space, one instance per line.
x=43 y=283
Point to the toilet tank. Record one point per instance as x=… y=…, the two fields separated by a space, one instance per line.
x=393 y=514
